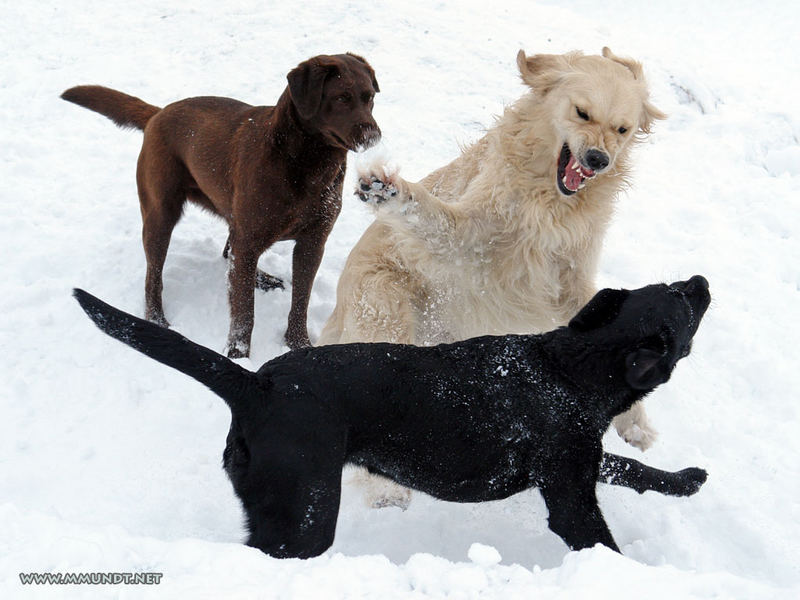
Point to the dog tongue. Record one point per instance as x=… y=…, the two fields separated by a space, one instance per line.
x=573 y=177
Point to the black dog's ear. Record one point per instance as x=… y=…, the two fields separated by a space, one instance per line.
x=644 y=369
x=306 y=81
x=601 y=310
x=375 y=85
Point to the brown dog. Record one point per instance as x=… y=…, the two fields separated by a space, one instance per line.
x=273 y=173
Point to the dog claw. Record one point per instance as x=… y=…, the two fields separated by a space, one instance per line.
x=375 y=190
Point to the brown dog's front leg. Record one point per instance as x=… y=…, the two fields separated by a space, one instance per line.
x=241 y=279
x=306 y=258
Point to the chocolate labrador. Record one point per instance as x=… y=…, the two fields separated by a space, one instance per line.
x=272 y=172
x=471 y=421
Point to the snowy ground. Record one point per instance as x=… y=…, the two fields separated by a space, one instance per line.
x=111 y=462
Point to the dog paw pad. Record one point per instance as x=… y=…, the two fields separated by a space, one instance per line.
x=375 y=190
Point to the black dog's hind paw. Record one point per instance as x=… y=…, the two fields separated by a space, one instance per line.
x=688 y=481
x=375 y=190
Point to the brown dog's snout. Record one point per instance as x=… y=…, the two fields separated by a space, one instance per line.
x=596 y=160
x=367 y=134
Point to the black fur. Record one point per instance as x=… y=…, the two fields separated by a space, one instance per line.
x=471 y=421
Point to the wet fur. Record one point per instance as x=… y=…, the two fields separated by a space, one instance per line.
x=489 y=245
x=470 y=421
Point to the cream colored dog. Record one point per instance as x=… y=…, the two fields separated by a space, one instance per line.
x=506 y=238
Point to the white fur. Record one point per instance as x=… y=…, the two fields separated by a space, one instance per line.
x=488 y=244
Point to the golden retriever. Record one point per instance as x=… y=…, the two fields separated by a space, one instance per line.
x=506 y=238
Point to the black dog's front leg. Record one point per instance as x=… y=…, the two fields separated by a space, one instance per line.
x=627 y=472
x=575 y=516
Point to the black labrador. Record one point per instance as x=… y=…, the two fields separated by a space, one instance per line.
x=476 y=420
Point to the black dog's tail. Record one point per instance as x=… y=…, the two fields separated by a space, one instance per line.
x=124 y=110
x=236 y=385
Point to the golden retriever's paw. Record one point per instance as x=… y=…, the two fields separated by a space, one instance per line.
x=375 y=191
x=399 y=497
x=379 y=492
x=639 y=437
x=378 y=183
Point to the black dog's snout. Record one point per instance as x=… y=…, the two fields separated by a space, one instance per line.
x=692 y=285
x=698 y=281
x=596 y=160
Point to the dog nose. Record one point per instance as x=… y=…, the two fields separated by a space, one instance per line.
x=698 y=281
x=596 y=160
x=690 y=286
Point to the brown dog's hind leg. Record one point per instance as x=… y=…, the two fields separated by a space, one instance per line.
x=264 y=281
x=161 y=201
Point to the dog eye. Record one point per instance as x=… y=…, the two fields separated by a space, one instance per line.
x=344 y=98
x=622 y=129
x=366 y=97
x=582 y=114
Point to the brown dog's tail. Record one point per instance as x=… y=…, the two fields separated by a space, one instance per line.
x=241 y=389
x=124 y=110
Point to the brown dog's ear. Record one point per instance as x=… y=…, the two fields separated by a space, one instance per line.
x=306 y=81
x=542 y=72
x=601 y=310
x=369 y=69
x=649 y=112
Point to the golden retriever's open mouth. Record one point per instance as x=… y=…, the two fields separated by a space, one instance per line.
x=571 y=175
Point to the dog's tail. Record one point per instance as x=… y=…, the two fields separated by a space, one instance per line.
x=236 y=385
x=124 y=110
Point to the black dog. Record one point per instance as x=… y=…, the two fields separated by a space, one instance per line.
x=471 y=421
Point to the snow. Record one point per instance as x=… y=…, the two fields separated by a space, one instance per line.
x=111 y=462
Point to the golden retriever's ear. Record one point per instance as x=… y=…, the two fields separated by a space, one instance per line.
x=649 y=112
x=542 y=72
x=633 y=66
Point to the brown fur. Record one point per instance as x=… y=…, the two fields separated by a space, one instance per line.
x=272 y=172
